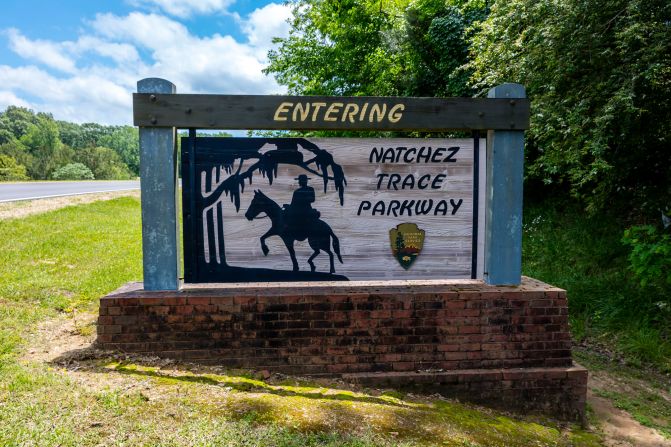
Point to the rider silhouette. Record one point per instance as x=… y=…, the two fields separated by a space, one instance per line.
x=301 y=211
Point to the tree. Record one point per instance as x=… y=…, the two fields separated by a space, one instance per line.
x=124 y=140
x=598 y=74
x=16 y=150
x=343 y=47
x=73 y=171
x=44 y=145
x=368 y=47
x=438 y=44
x=400 y=244
x=103 y=162
x=15 y=122
x=10 y=169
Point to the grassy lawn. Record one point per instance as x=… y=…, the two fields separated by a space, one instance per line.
x=54 y=267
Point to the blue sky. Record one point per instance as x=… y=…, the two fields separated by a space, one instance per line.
x=80 y=59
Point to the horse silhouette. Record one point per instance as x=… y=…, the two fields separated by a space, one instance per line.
x=318 y=233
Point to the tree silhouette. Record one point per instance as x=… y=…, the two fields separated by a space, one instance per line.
x=400 y=243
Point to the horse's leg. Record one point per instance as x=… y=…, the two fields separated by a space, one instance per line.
x=326 y=246
x=264 y=247
x=328 y=250
x=290 y=246
x=314 y=255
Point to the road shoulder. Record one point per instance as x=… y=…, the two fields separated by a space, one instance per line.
x=19 y=209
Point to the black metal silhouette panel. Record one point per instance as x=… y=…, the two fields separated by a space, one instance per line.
x=297 y=209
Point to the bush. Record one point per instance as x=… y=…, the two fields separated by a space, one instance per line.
x=650 y=257
x=10 y=169
x=73 y=171
x=584 y=254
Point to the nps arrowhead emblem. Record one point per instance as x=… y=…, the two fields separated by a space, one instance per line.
x=406 y=241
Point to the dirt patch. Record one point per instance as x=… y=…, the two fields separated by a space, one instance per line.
x=55 y=338
x=15 y=210
x=620 y=429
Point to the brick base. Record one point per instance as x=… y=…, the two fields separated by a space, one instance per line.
x=507 y=345
x=556 y=392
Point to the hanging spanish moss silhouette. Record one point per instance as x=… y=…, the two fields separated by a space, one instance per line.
x=222 y=168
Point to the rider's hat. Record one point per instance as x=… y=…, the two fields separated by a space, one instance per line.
x=302 y=177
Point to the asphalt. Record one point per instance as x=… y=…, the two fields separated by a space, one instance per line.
x=10 y=192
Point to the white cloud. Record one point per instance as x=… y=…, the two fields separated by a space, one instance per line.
x=8 y=98
x=46 y=52
x=119 y=52
x=195 y=64
x=79 y=98
x=184 y=8
x=266 y=23
x=148 y=30
x=64 y=79
x=62 y=55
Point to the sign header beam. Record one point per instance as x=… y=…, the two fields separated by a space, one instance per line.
x=329 y=112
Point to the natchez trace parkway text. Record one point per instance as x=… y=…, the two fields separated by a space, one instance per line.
x=389 y=181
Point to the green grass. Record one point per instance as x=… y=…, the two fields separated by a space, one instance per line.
x=72 y=256
x=64 y=260
x=583 y=254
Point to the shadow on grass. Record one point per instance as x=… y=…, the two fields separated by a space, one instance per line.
x=327 y=408
x=241 y=383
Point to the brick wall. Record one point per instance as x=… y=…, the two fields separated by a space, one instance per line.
x=346 y=328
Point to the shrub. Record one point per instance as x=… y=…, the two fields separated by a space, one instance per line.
x=10 y=169
x=650 y=257
x=73 y=171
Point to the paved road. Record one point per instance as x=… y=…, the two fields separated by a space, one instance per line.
x=10 y=192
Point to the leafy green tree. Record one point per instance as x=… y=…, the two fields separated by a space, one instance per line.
x=124 y=140
x=92 y=133
x=104 y=163
x=73 y=171
x=10 y=169
x=15 y=122
x=44 y=145
x=417 y=48
x=16 y=150
x=71 y=134
x=345 y=47
x=598 y=73
x=438 y=43
x=400 y=243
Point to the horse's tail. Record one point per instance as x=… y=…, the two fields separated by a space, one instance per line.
x=336 y=245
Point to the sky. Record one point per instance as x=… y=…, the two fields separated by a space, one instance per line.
x=80 y=60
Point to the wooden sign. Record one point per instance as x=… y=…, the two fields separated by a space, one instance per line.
x=296 y=209
x=329 y=112
x=374 y=197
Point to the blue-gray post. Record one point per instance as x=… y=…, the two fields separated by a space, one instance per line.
x=505 y=173
x=159 y=189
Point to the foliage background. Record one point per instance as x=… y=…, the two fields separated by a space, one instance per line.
x=35 y=146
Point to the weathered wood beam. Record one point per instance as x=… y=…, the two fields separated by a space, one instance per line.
x=329 y=112
x=505 y=178
x=160 y=206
